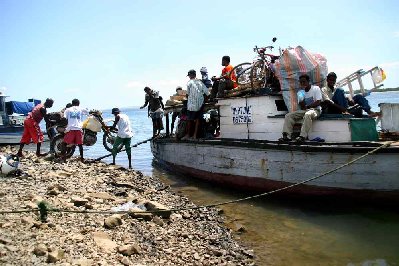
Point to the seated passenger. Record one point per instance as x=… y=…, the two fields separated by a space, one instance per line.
x=227 y=81
x=310 y=110
x=335 y=101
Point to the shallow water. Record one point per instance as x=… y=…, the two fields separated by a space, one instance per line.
x=285 y=231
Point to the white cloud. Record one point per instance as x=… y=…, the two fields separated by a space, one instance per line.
x=134 y=84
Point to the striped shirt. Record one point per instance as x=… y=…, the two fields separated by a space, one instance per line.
x=196 y=90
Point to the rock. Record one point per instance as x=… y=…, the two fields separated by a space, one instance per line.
x=55 y=256
x=83 y=262
x=249 y=253
x=5 y=241
x=40 y=250
x=101 y=195
x=125 y=261
x=78 y=201
x=113 y=221
x=104 y=241
x=156 y=206
x=238 y=227
x=196 y=256
x=158 y=221
x=128 y=250
x=11 y=248
x=138 y=214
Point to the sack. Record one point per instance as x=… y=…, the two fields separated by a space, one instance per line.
x=292 y=64
x=92 y=124
x=378 y=75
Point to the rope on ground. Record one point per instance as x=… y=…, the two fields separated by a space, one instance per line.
x=44 y=208
x=133 y=146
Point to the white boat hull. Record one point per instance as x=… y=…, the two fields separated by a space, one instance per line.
x=269 y=165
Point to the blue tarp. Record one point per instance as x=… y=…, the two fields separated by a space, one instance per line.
x=21 y=107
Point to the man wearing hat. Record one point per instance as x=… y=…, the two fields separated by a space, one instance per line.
x=196 y=91
x=125 y=134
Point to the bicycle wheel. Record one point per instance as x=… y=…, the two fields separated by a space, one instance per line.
x=109 y=140
x=243 y=73
x=259 y=75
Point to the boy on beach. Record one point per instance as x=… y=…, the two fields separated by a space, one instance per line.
x=32 y=130
x=125 y=134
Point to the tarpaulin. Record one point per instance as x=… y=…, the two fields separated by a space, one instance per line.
x=21 y=107
x=292 y=64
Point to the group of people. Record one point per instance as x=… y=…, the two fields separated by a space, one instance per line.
x=329 y=100
x=198 y=92
x=74 y=129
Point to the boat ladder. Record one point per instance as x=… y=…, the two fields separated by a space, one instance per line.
x=357 y=75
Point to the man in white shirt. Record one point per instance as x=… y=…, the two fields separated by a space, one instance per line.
x=125 y=134
x=74 y=134
x=195 y=104
x=310 y=110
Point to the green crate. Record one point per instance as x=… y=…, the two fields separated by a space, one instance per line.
x=363 y=129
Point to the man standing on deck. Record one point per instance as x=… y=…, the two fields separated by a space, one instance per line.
x=227 y=81
x=155 y=109
x=124 y=136
x=196 y=90
x=32 y=129
x=310 y=110
x=74 y=134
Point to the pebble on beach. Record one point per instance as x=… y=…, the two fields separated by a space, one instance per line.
x=190 y=237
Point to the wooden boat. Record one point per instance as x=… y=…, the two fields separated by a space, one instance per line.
x=249 y=155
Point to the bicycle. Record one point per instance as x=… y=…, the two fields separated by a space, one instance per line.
x=258 y=73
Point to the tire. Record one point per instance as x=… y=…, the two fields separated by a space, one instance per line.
x=259 y=75
x=243 y=73
x=57 y=144
x=109 y=140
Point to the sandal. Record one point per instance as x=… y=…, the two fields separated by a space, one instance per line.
x=284 y=138
x=300 y=139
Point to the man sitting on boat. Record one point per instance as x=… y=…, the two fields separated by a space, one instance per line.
x=227 y=81
x=310 y=110
x=195 y=104
x=335 y=101
x=32 y=130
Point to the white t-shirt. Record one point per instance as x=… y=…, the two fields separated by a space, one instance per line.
x=74 y=115
x=313 y=95
x=124 y=129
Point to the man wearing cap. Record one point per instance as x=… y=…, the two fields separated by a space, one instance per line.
x=32 y=130
x=196 y=91
x=227 y=81
x=74 y=134
x=124 y=136
x=155 y=109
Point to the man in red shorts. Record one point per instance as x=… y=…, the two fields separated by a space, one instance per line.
x=32 y=130
x=74 y=134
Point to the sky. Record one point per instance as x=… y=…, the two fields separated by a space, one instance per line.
x=105 y=52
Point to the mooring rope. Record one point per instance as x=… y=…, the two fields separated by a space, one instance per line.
x=133 y=146
x=45 y=209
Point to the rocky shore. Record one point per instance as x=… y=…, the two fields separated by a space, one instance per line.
x=190 y=237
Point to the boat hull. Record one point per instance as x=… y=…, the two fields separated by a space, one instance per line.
x=264 y=166
x=10 y=134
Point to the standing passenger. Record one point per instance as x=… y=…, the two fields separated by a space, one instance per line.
x=195 y=104
x=155 y=109
x=124 y=136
